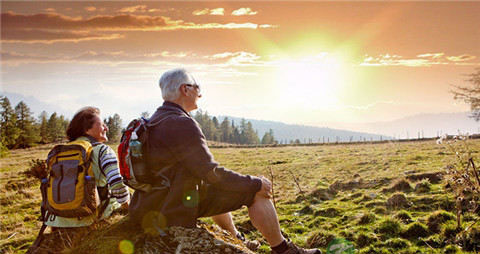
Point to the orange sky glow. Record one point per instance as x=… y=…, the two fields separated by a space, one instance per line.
x=314 y=63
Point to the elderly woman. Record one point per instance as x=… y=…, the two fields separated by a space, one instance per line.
x=66 y=232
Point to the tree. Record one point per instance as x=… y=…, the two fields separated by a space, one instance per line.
x=55 y=128
x=226 y=131
x=268 y=138
x=114 y=124
x=43 y=128
x=25 y=123
x=470 y=94
x=9 y=131
x=145 y=114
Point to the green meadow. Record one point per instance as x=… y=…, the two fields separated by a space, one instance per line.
x=377 y=196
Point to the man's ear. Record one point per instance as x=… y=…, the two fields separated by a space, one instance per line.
x=183 y=90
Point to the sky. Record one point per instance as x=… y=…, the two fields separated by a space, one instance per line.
x=312 y=63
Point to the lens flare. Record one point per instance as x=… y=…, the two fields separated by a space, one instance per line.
x=126 y=247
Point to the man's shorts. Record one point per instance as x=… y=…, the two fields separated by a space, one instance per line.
x=214 y=201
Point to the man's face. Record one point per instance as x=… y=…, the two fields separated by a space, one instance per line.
x=192 y=94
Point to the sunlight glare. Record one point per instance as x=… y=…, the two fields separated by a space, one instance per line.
x=314 y=81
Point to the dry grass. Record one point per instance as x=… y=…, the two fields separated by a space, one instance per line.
x=314 y=167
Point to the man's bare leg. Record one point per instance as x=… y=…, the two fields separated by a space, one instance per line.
x=264 y=217
x=225 y=221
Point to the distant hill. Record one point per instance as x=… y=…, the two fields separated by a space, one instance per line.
x=431 y=125
x=284 y=133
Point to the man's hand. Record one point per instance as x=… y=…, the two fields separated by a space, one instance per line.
x=266 y=189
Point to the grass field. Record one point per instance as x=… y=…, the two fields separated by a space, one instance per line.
x=346 y=192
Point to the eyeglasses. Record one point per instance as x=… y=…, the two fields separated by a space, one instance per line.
x=194 y=86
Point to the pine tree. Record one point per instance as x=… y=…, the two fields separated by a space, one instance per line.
x=43 y=128
x=62 y=127
x=250 y=135
x=25 y=123
x=268 y=138
x=226 y=131
x=8 y=128
x=114 y=124
x=55 y=128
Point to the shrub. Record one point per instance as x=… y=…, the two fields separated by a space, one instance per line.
x=329 y=212
x=366 y=218
x=471 y=239
x=423 y=186
x=435 y=241
x=416 y=230
x=449 y=230
x=397 y=243
x=306 y=210
x=439 y=217
x=348 y=234
x=365 y=239
x=298 y=229
x=3 y=150
x=397 y=200
x=400 y=185
x=404 y=216
x=452 y=249
x=380 y=210
x=389 y=227
x=374 y=250
x=320 y=239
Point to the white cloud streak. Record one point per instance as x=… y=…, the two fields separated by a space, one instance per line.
x=244 y=12
x=207 y=11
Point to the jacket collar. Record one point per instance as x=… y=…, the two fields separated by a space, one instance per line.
x=171 y=105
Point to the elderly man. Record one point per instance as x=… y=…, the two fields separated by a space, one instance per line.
x=199 y=187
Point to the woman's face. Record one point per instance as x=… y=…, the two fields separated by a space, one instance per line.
x=98 y=130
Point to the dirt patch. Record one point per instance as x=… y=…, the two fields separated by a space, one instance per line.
x=323 y=194
x=433 y=177
x=399 y=185
x=329 y=212
x=358 y=183
x=397 y=200
x=20 y=184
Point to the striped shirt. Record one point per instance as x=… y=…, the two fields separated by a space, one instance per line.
x=106 y=160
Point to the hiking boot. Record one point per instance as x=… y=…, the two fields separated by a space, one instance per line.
x=294 y=249
x=251 y=245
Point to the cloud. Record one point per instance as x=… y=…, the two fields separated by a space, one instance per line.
x=240 y=58
x=90 y=57
x=90 y=8
x=421 y=60
x=45 y=36
x=461 y=58
x=50 y=10
x=123 y=22
x=244 y=11
x=206 y=11
x=431 y=55
x=136 y=8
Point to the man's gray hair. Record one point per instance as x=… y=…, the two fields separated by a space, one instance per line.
x=172 y=80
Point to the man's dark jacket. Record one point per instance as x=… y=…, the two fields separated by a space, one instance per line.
x=177 y=148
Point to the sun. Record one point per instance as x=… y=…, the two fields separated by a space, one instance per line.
x=312 y=82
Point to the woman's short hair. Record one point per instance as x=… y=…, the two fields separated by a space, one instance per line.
x=172 y=80
x=81 y=122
